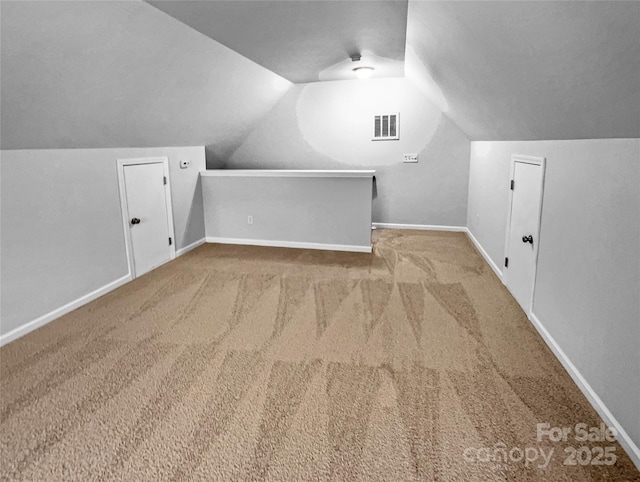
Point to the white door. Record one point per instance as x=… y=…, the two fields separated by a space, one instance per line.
x=148 y=218
x=523 y=229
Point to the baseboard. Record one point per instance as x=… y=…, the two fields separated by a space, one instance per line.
x=484 y=254
x=290 y=244
x=423 y=227
x=83 y=300
x=63 y=310
x=186 y=249
x=625 y=441
x=623 y=437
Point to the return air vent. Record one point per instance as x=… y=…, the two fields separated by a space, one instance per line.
x=386 y=127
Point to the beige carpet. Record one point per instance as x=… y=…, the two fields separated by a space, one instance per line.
x=246 y=363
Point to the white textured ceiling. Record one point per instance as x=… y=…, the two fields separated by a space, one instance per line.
x=501 y=70
x=531 y=70
x=299 y=39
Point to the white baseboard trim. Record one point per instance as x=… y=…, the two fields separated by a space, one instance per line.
x=186 y=249
x=423 y=227
x=625 y=441
x=63 y=310
x=290 y=244
x=485 y=255
x=623 y=437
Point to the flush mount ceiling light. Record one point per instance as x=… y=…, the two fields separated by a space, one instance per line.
x=362 y=72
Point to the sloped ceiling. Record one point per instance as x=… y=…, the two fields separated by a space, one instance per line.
x=501 y=70
x=532 y=70
x=107 y=74
x=298 y=39
x=123 y=74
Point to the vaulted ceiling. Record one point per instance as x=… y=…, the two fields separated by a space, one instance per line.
x=106 y=74
x=299 y=40
x=80 y=74
x=533 y=70
x=500 y=70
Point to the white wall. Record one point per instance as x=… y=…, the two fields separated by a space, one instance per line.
x=329 y=125
x=62 y=234
x=328 y=211
x=588 y=282
x=98 y=74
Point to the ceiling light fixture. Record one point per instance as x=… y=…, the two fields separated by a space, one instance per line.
x=361 y=72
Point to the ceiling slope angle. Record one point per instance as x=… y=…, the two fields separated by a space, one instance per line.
x=123 y=74
x=532 y=70
x=303 y=40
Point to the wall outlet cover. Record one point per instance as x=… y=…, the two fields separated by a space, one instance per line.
x=410 y=158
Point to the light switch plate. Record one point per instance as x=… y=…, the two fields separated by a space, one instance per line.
x=411 y=158
x=184 y=164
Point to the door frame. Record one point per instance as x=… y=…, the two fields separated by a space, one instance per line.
x=538 y=161
x=124 y=208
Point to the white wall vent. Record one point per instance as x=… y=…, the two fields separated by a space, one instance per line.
x=386 y=127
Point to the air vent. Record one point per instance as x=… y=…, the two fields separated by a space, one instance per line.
x=386 y=127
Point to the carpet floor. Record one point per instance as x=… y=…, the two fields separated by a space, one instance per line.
x=249 y=363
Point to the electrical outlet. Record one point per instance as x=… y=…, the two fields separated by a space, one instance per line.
x=411 y=158
x=249 y=219
x=184 y=164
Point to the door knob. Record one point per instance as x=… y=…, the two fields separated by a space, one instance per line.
x=135 y=221
x=527 y=239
